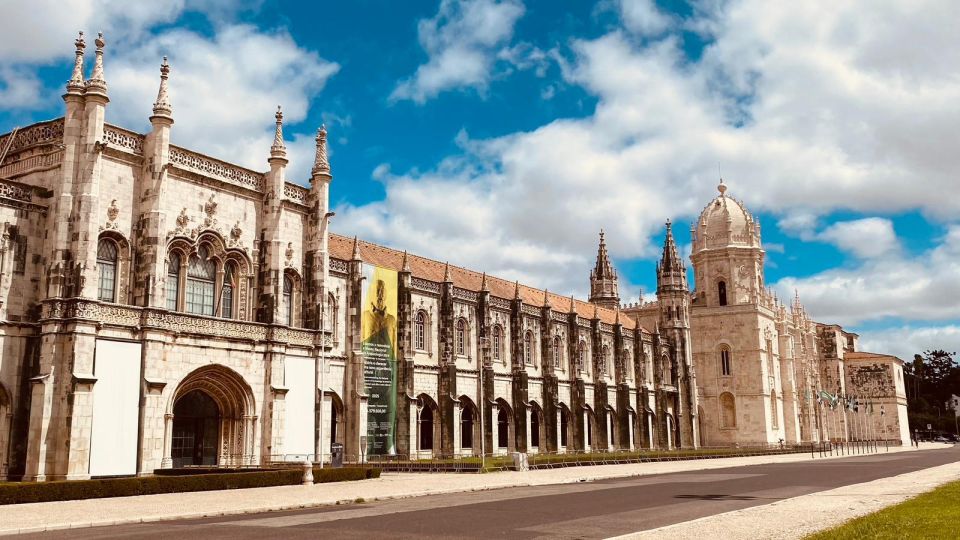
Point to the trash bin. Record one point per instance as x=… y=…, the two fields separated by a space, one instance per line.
x=336 y=455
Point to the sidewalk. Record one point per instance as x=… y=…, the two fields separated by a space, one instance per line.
x=36 y=517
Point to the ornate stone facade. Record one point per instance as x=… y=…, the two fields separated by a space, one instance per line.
x=160 y=307
x=759 y=364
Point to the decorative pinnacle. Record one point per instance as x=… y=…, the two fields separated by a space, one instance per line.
x=722 y=188
x=516 y=290
x=278 y=149
x=96 y=83
x=356 y=249
x=573 y=304
x=405 y=267
x=483 y=283
x=162 y=106
x=75 y=84
x=447 y=278
x=321 y=165
x=546 y=298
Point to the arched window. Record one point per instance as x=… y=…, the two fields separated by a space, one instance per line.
x=665 y=374
x=728 y=411
x=201 y=274
x=726 y=368
x=606 y=361
x=461 y=337
x=722 y=292
x=420 y=332
x=528 y=347
x=229 y=285
x=497 y=343
x=774 y=414
x=173 y=280
x=330 y=315
x=287 y=307
x=581 y=356
x=557 y=353
x=106 y=270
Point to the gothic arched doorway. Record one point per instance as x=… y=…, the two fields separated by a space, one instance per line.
x=212 y=410
x=196 y=430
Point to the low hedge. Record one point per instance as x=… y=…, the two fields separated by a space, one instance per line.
x=203 y=480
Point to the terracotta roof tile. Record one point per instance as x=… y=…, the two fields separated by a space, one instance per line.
x=862 y=355
x=341 y=247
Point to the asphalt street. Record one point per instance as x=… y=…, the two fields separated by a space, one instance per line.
x=580 y=510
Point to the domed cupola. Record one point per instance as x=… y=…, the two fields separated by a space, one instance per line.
x=727 y=255
x=725 y=222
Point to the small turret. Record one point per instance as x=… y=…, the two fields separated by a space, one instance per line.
x=97 y=84
x=75 y=85
x=603 y=279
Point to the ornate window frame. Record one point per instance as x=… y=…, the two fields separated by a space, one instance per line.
x=122 y=277
x=220 y=255
x=725 y=359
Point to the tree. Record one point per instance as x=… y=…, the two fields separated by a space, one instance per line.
x=930 y=380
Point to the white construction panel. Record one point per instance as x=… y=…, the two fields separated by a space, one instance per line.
x=116 y=402
x=300 y=414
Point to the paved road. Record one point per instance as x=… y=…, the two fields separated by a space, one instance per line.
x=585 y=510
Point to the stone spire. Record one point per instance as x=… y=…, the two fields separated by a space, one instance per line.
x=573 y=304
x=546 y=298
x=96 y=84
x=405 y=267
x=671 y=261
x=278 y=149
x=356 y=249
x=162 y=106
x=516 y=291
x=483 y=283
x=603 y=279
x=447 y=277
x=75 y=84
x=321 y=165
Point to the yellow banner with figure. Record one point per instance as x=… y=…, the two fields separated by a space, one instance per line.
x=378 y=341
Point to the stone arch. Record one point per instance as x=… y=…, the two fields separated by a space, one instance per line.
x=589 y=428
x=428 y=425
x=537 y=429
x=504 y=441
x=613 y=435
x=728 y=411
x=122 y=286
x=6 y=418
x=336 y=422
x=237 y=412
x=564 y=425
x=469 y=426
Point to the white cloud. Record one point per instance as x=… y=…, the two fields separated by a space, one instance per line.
x=923 y=288
x=462 y=41
x=810 y=108
x=904 y=342
x=865 y=238
x=225 y=87
x=224 y=91
x=643 y=17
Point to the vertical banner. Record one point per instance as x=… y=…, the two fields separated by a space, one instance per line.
x=378 y=341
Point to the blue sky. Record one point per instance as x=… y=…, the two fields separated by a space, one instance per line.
x=502 y=135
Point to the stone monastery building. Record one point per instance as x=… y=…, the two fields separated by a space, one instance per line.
x=162 y=308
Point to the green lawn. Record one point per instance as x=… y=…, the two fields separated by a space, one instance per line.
x=932 y=515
